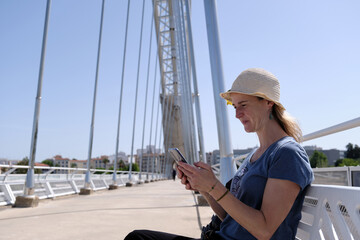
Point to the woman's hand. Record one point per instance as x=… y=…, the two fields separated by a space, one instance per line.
x=200 y=176
x=179 y=173
x=183 y=178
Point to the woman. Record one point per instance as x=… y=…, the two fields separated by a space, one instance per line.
x=267 y=191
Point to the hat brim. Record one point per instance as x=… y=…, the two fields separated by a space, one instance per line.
x=226 y=96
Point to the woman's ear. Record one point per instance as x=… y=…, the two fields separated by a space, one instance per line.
x=270 y=104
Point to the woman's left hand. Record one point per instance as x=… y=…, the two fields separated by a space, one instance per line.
x=200 y=176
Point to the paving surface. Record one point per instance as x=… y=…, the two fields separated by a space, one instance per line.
x=162 y=206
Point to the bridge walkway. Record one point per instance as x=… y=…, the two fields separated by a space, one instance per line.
x=163 y=206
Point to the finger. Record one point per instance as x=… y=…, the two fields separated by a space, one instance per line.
x=180 y=174
x=184 y=180
x=187 y=183
x=203 y=165
x=188 y=186
x=188 y=167
x=185 y=171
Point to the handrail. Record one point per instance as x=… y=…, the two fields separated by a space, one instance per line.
x=63 y=168
x=58 y=184
x=333 y=129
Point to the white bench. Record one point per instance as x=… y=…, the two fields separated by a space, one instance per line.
x=330 y=213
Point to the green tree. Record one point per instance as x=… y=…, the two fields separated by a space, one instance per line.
x=135 y=167
x=105 y=161
x=338 y=162
x=25 y=162
x=125 y=167
x=352 y=151
x=73 y=165
x=122 y=166
x=48 y=162
x=347 y=162
x=318 y=159
x=349 y=150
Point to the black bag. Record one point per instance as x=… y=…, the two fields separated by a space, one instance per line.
x=209 y=231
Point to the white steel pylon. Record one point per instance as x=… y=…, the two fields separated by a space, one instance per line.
x=165 y=32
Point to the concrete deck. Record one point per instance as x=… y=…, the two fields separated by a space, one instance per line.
x=162 y=206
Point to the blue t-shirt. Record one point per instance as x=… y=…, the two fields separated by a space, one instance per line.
x=284 y=159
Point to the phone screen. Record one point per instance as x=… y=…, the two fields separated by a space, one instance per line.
x=176 y=154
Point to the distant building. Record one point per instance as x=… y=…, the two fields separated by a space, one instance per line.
x=209 y=157
x=150 y=156
x=148 y=149
x=99 y=162
x=150 y=161
x=332 y=154
x=121 y=156
x=78 y=163
x=59 y=161
x=214 y=157
x=37 y=164
x=5 y=161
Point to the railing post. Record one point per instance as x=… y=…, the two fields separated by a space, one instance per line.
x=73 y=186
x=73 y=183
x=9 y=195
x=48 y=189
x=349 y=178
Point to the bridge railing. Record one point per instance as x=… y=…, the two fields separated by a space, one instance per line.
x=50 y=185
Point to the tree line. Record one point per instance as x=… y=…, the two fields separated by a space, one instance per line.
x=351 y=157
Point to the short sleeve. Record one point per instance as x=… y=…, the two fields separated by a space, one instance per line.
x=290 y=162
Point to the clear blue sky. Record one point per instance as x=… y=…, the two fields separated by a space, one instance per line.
x=313 y=47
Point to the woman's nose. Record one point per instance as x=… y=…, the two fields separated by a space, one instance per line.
x=239 y=113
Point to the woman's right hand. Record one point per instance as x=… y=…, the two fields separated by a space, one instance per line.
x=184 y=179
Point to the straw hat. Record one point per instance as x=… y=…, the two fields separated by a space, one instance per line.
x=256 y=82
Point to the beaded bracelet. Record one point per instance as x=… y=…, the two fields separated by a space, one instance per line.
x=212 y=188
x=227 y=191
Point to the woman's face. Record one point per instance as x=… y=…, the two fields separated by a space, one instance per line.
x=252 y=112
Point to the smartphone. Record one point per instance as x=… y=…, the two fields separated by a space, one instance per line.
x=176 y=154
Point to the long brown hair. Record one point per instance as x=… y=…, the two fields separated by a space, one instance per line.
x=287 y=123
